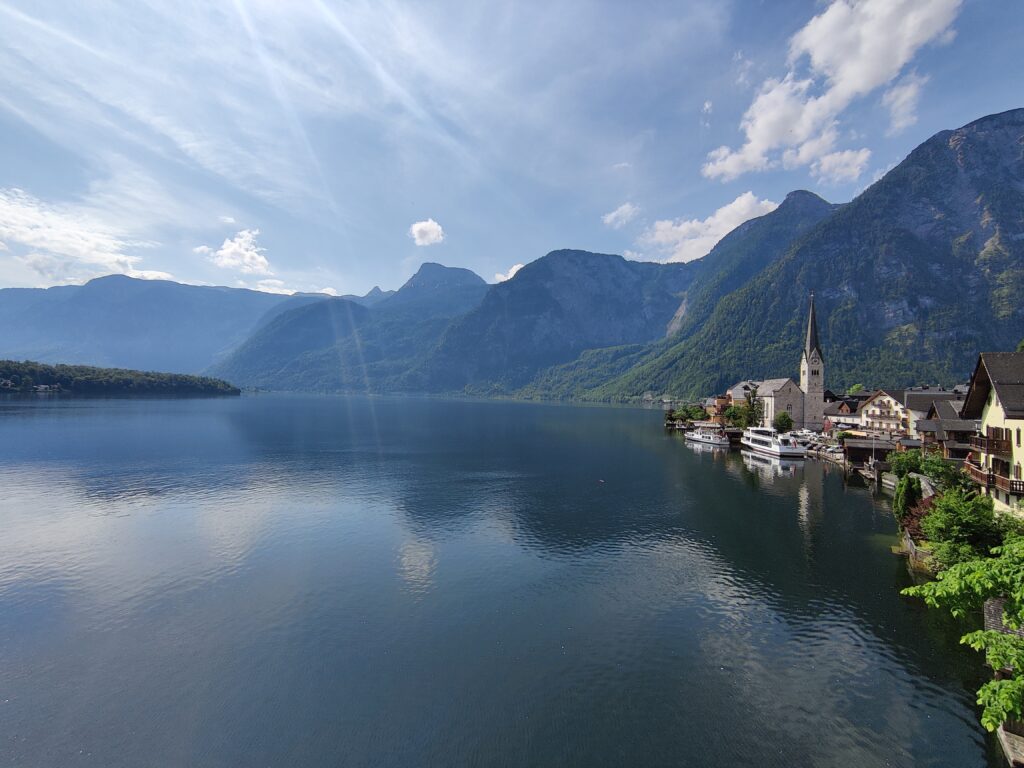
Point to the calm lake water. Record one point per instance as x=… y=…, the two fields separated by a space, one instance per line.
x=317 y=581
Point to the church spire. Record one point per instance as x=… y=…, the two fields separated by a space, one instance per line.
x=811 y=342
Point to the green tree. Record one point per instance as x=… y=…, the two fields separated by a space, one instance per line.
x=737 y=415
x=855 y=389
x=945 y=475
x=961 y=526
x=908 y=493
x=962 y=590
x=782 y=422
x=904 y=462
x=755 y=407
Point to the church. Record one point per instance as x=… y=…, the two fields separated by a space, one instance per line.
x=805 y=402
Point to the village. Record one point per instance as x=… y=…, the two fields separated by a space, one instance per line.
x=976 y=426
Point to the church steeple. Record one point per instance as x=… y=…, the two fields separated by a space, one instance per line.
x=811 y=343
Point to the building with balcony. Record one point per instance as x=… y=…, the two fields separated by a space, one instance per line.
x=945 y=431
x=884 y=411
x=996 y=398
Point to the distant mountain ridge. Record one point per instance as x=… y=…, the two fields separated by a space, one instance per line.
x=912 y=279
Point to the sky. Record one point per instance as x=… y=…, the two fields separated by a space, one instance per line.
x=332 y=146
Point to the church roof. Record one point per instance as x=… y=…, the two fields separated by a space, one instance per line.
x=811 y=342
x=770 y=386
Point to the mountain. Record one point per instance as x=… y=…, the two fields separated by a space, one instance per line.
x=375 y=296
x=731 y=264
x=124 y=322
x=340 y=345
x=911 y=279
x=745 y=251
x=552 y=310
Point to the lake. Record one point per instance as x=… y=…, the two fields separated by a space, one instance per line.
x=331 y=581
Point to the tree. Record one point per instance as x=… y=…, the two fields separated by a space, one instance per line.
x=736 y=415
x=961 y=526
x=782 y=422
x=908 y=493
x=904 y=462
x=755 y=407
x=855 y=389
x=963 y=589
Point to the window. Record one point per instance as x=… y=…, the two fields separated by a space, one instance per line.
x=1018 y=437
x=1016 y=471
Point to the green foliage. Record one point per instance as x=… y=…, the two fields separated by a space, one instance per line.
x=962 y=590
x=855 y=389
x=945 y=475
x=783 y=422
x=84 y=379
x=908 y=493
x=843 y=435
x=737 y=416
x=904 y=462
x=1020 y=345
x=961 y=526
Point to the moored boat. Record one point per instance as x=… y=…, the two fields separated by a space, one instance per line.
x=708 y=433
x=766 y=440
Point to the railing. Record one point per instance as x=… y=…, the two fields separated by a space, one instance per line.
x=1009 y=485
x=980 y=475
x=988 y=479
x=992 y=445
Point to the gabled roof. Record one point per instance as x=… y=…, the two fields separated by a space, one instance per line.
x=945 y=409
x=769 y=386
x=895 y=394
x=922 y=399
x=1002 y=371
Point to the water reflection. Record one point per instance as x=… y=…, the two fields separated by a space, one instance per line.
x=393 y=582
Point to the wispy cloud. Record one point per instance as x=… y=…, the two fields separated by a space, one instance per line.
x=689 y=239
x=851 y=49
x=67 y=242
x=901 y=100
x=621 y=216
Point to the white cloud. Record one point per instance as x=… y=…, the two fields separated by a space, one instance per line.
x=227 y=219
x=67 y=242
x=273 y=286
x=838 y=167
x=622 y=166
x=743 y=67
x=686 y=240
x=240 y=252
x=501 y=278
x=621 y=216
x=706 y=109
x=901 y=101
x=851 y=48
x=427 y=232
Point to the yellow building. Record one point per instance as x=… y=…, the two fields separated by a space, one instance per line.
x=996 y=397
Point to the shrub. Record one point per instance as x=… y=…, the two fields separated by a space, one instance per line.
x=961 y=527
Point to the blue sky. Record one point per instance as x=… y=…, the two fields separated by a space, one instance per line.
x=320 y=145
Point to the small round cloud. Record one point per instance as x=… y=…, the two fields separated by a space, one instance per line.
x=427 y=232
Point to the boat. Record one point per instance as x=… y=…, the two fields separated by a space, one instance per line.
x=708 y=433
x=766 y=440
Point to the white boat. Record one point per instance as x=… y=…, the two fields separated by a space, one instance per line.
x=766 y=440
x=708 y=433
